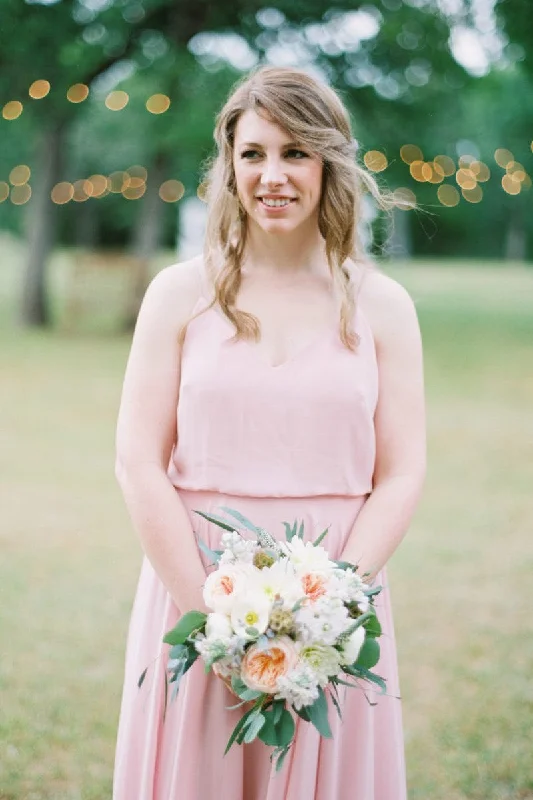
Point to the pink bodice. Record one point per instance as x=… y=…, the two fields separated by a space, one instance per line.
x=303 y=428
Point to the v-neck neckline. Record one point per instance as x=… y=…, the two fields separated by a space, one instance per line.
x=254 y=349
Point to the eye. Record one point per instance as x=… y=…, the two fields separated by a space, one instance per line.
x=293 y=153
x=248 y=154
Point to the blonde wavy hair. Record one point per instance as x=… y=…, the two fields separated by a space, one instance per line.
x=312 y=114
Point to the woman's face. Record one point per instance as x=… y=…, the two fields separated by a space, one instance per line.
x=279 y=182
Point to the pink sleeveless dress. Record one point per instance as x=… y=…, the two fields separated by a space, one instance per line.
x=294 y=441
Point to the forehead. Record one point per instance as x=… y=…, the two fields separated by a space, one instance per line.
x=254 y=127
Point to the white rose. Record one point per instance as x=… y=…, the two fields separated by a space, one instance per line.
x=222 y=585
x=218 y=626
x=352 y=645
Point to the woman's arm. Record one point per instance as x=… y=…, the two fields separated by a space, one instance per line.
x=399 y=423
x=146 y=433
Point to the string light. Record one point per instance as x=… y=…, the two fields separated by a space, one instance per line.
x=466 y=178
x=410 y=153
x=375 y=161
x=158 y=104
x=416 y=170
x=80 y=194
x=448 y=195
x=502 y=157
x=171 y=191
x=4 y=191
x=78 y=93
x=98 y=184
x=404 y=199
x=62 y=193
x=19 y=175
x=446 y=164
x=511 y=185
x=134 y=191
x=20 y=194
x=474 y=195
x=117 y=100
x=480 y=170
x=39 y=89
x=12 y=110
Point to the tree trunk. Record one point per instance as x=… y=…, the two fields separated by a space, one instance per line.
x=146 y=235
x=516 y=235
x=40 y=227
x=398 y=244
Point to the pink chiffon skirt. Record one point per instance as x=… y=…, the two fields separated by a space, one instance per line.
x=180 y=755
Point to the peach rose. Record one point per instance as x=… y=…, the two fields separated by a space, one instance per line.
x=314 y=585
x=222 y=586
x=262 y=668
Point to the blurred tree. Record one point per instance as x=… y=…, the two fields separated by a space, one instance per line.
x=391 y=60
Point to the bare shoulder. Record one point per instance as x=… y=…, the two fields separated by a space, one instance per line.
x=388 y=307
x=173 y=292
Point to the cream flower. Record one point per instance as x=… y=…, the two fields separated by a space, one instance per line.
x=307 y=558
x=279 y=580
x=218 y=626
x=251 y=611
x=263 y=667
x=222 y=586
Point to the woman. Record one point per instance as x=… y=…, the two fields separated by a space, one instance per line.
x=296 y=373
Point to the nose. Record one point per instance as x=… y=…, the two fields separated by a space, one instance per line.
x=273 y=173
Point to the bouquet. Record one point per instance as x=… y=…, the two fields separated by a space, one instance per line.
x=288 y=627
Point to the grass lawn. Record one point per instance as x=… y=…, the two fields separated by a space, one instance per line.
x=461 y=581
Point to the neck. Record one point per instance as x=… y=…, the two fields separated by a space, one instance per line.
x=299 y=253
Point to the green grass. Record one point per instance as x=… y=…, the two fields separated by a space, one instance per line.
x=461 y=580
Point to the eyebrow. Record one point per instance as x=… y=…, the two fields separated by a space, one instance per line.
x=287 y=145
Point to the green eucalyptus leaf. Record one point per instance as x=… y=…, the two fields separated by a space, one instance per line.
x=372 y=625
x=188 y=624
x=368 y=654
x=254 y=728
x=242 y=519
x=318 y=714
x=321 y=538
x=239 y=727
x=222 y=523
x=301 y=530
x=214 y=555
x=142 y=677
x=281 y=758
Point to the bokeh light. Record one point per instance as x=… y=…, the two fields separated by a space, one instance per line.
x=404 y=199
x=118 y=181
x=20 y=194
x=117 y=100
x=511 y=185
x=480 y=170
x=446 y=164
x=98 y=186
x=20 y=175
x=135 y=190
x=526 y=183
x=171 y=191
x=375 y=161
x=39 y=89
x=138 y=171
x=78 y=93
x=466 y=161
x=448 y=195
x=80 y=193
x=410 y=153
x=4 y=191
x=466 y=178
x=158 y=103
x=502 y=157
x=62 y=193
x=201 y=192
x=12 y=110
x=416 y=170
x=474 y=195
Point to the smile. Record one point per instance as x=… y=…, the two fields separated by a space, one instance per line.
x=279 y=203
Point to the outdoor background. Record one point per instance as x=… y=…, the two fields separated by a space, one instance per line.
x=107 y=110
